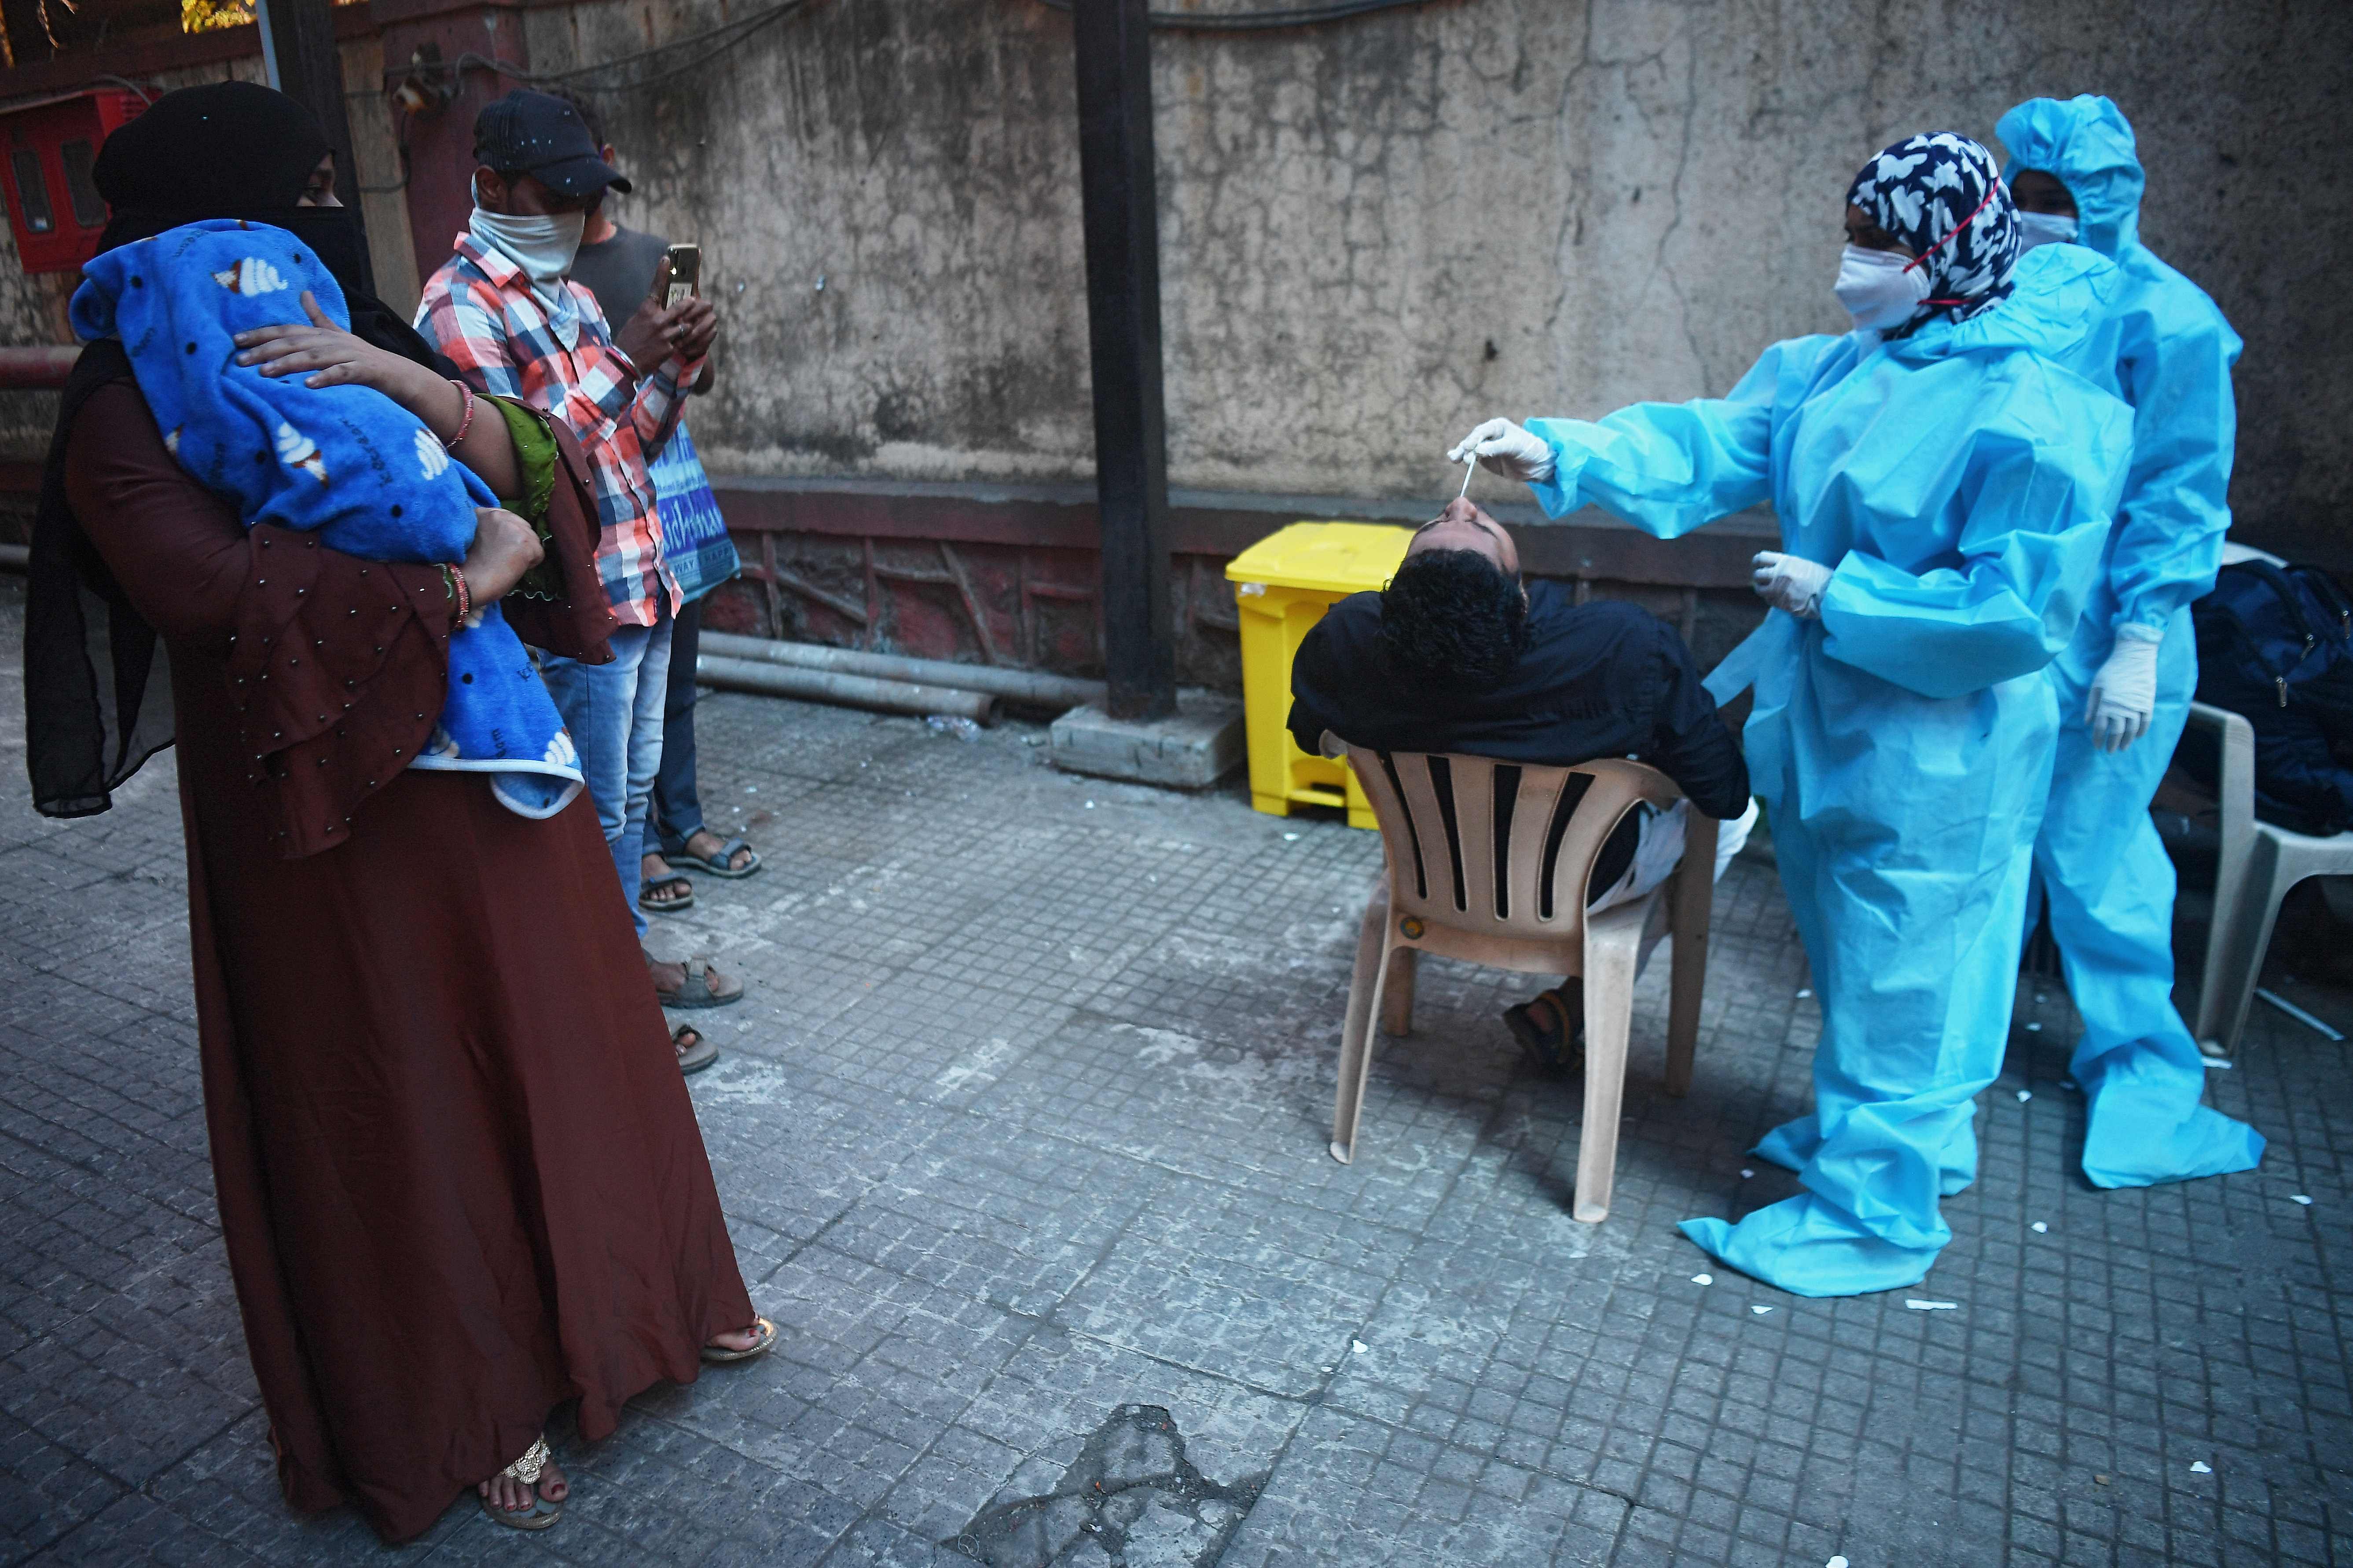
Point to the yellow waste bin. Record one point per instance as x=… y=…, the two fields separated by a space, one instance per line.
x=1283 y=584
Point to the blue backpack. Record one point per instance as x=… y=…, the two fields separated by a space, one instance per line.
x=2276 y=644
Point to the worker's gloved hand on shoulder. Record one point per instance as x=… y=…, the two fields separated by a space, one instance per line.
x=1505 y=449
x=2123 y=694
x=1790 y=583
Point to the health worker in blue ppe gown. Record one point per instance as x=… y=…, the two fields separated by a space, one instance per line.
x=1944 y=489
x=2124 y=683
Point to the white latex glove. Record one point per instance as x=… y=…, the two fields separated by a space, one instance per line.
x=1505 y=448
x=2124 y=694
x=1791 y=582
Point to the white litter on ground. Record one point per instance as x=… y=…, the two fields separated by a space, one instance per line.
x=1917 y=1305
x=2024 y=1095
x=1090 y=805
x=1809 y=991
x=1835 y=1563
x=2200 y=1468
x=1746 y=1173
x=2034 y=1029
x=2216 y=1064
x=1289 y=837
x=1359 y=1346
x=2039 y=1228
x=2299 y=1198
x=1760 y=1311
x=1702 y=1279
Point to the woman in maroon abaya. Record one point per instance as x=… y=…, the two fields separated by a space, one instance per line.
x=459 y=1174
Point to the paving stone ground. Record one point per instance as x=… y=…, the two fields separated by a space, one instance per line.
x=1022 y=1137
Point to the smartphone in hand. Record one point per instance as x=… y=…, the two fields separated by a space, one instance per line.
x=685 y=275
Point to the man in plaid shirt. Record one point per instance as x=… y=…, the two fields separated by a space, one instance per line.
x=504 y=311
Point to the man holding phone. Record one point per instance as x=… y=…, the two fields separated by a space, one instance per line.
x=507 y=314
x=624 y=268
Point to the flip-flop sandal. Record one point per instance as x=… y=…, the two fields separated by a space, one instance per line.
x=695 y=1057
x=527 y=1469
x=696 y=992
x=1544 y=1038
x=671 y=905
x=719 y=1355
x=719 y=864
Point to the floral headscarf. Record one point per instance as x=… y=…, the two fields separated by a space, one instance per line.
x=1941 y=194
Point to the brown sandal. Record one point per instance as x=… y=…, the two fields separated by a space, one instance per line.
x=697 y=990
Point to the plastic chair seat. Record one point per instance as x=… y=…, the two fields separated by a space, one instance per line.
x=1488 y=862
x=2258 y=865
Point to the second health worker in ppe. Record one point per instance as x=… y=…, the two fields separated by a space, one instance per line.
x=1944 y=489
x=2124 y=683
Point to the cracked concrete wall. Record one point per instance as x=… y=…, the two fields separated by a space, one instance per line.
x=1375 y=233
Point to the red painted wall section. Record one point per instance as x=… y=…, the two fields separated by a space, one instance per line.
x=441 y=144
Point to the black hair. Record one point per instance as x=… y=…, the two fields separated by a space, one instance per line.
x=1453 y=616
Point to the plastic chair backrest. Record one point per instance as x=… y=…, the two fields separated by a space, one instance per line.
x=1503 y=849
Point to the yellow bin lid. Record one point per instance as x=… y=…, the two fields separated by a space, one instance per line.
x=1331 y=557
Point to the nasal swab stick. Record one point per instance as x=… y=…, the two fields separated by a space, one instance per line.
x=1470 y=467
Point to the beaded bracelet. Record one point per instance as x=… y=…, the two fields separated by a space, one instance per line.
x=465 y=420
x=453 y=582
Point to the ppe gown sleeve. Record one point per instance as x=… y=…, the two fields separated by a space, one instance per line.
x=2168 y=541
x=2039 y=479
x=1669 y=468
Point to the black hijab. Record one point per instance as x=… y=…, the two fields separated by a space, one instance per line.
x=97 y=700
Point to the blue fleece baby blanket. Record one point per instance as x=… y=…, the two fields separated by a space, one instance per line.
x=344 y=461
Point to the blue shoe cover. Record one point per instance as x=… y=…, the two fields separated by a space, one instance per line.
x=2145 y=1125
x=1811 y=1248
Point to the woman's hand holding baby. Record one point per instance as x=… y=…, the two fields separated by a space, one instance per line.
x=504 y=549
x=335 y=357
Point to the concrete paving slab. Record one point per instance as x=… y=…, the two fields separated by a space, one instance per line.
x=1022 y=1125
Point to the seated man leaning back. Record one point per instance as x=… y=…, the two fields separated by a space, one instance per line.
x=1458 y=654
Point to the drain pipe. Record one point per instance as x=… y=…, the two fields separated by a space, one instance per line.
x=847 y=691
x=1027 y=686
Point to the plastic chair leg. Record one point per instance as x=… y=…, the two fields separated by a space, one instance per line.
x=1397 y=1001
x=1364 y=986
x=2263 y=884
x=1693 y=908
x=1612 y=958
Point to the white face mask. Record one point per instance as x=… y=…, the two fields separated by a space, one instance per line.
x=2043 y=228
x=1880 y=288
x=542 y=246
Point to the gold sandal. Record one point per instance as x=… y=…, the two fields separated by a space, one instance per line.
x=719 y=1355
x=527 y=1469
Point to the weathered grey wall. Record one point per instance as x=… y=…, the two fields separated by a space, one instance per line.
x=1377 y=232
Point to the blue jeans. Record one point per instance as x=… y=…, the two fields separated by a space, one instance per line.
x=614 y=713
x=676 y=814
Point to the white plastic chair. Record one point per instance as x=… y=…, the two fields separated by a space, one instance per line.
x=1493 y=869
x=2257 y=865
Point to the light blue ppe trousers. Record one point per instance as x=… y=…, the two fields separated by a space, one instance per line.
x=2166 y=349
x=2109 y=887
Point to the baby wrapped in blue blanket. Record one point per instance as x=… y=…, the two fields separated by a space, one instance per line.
x=345 y=461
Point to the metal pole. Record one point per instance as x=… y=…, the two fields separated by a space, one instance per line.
x=298 y=53
x=1123 y=238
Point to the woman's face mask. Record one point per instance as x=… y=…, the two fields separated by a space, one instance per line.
x=2043 y=228
x=542 y=246
x=1880 y=288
